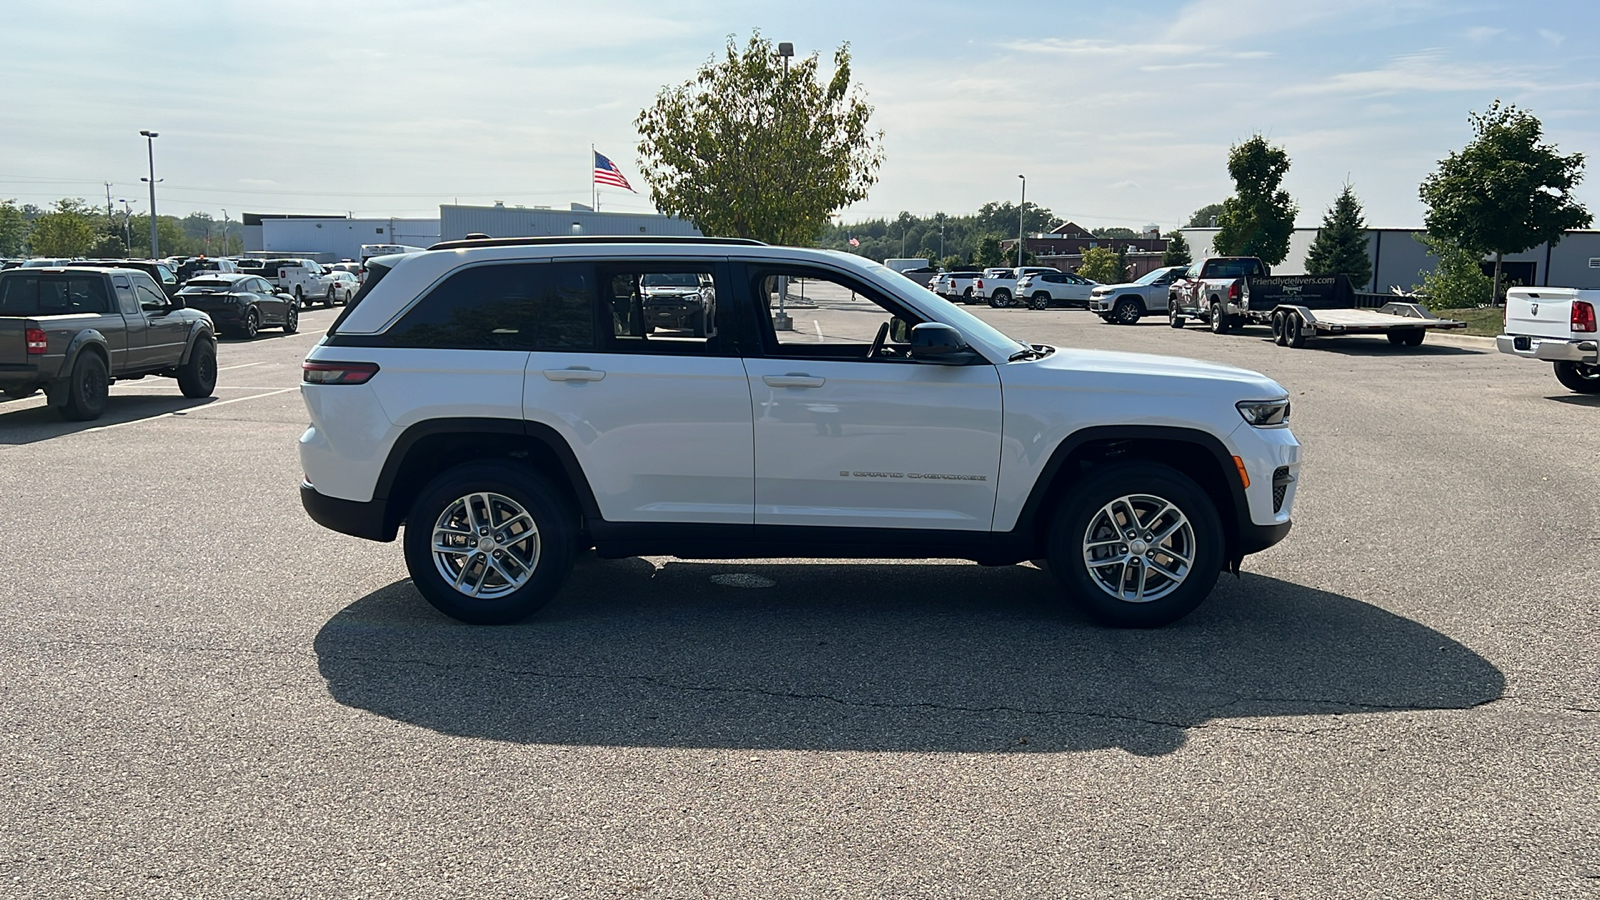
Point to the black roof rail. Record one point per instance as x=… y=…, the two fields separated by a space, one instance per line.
x=472 y=242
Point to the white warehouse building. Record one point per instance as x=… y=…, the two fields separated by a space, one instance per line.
x=332 y=238
x=456 y=222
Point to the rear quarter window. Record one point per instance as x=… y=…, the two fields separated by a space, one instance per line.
x=505 y=306
x=53 y=295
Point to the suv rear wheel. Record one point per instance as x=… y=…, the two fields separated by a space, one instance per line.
x=489 y=543
x=1138 y=545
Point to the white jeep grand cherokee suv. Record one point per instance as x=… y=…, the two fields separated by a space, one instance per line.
x=508 y=403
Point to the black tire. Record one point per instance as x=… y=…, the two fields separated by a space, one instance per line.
x=21 y=393
x=1174 y=317
x=299 y=296
x=1414 y=337
x=291 y=319
x=550 y=550
x=1580 y=377
x=1127 y=311
x=1294 y=331
x=88 y=387
x=198 y=377
x=1041 y=300
x=1280 y=328
x=1219 y=322
x=251 y=326
x=1083 y=517
x=966 y=296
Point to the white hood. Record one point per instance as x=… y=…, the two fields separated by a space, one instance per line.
x=1142 y=372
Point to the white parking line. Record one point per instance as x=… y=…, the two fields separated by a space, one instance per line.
x=239 y=366
x=207 y=406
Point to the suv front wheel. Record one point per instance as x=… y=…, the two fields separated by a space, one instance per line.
x=1137 y=545
x=490 y=543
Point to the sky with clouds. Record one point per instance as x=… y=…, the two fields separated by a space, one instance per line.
x=1119 y=114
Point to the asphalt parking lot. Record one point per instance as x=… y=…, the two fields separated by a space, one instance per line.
x=205 y=694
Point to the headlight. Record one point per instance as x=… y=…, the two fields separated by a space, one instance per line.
x=1264 y=413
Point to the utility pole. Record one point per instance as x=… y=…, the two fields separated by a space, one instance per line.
x=781 y=320
x=155 y=242
x=108 y=199
x=1021 y=212
x=225 y=247
x=941 y=238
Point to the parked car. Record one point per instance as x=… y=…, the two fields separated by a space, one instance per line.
x=679 y=300
x=304 y=279
x=155 y=268
x=500 y=400
x=200 y=265
x=71 y=332
x=342 y=286
x=957 y=285
x=1558 y=326
x=1126 y=304
x=1042 y=289
x=999 y=286
x=44 y=262
x=242 y=304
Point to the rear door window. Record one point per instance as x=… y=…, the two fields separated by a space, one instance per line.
x=53 y=295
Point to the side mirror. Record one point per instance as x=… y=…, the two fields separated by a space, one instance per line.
x=937 y=342
x=178 y=303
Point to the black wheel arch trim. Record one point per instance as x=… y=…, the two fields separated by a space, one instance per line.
x=1238 y=526
x=537 y=431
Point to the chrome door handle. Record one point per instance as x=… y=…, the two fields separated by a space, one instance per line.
x=794 y=379
x=574 y=373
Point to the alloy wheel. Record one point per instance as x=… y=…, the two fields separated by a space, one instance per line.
x=1139 y=548
x=485 y=545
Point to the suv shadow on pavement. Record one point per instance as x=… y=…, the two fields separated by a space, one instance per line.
x=868 y=657
x=26 y=421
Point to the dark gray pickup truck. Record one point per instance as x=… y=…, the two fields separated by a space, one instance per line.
x=73 y=332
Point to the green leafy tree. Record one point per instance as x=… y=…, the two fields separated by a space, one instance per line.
x=68 y=231
x=1114 y=232
x=1506 y=191
x=1340 y=247
x=13 y=229
x=1002 y=218
x=1258 y=219
x=1104 y=265
x=989 y=254
x=168 y=232
x=748 y=148
x=1457 y=281
x=1204 y=216
x=1177 y=253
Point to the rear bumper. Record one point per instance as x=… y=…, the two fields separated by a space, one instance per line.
x=1549 y=349
x=352 y=517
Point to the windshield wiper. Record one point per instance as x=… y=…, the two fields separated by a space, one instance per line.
x=1034 y=351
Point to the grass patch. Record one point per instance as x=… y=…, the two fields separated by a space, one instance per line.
x=1485 y=321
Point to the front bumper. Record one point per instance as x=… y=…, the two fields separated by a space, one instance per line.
x=1099 y=304
x=1549 y=349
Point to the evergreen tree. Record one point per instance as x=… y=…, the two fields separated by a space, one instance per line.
x=1340 y=247
x=1177 y=251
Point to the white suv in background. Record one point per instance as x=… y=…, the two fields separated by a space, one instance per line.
x=507 y=402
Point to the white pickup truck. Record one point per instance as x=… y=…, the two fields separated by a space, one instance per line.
x=1556 y=325
x=999 y=286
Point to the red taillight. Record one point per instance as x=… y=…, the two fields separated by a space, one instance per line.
x=977 y=283
x=1233 y=291
x=38 y=341
x=1582 y=315
x=337 y=372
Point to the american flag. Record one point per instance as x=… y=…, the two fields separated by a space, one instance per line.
x=606 y=172
x=854 y=242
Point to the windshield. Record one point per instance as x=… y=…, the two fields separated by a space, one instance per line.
x=1152 y=277
x=964 y=321
x=1233 y=268
x=680 y=279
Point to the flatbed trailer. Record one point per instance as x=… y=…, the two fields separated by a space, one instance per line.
x=1405 y=324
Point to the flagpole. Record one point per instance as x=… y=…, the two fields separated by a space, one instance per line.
x=594 y=186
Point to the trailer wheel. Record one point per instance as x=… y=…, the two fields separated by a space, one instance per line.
x=1407 y=337
x=1294 y=331
x=1280 y=328
x=1585 y=379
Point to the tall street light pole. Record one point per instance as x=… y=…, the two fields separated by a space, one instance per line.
x=1021 y=211
x=150 y=141
x=782 y=321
